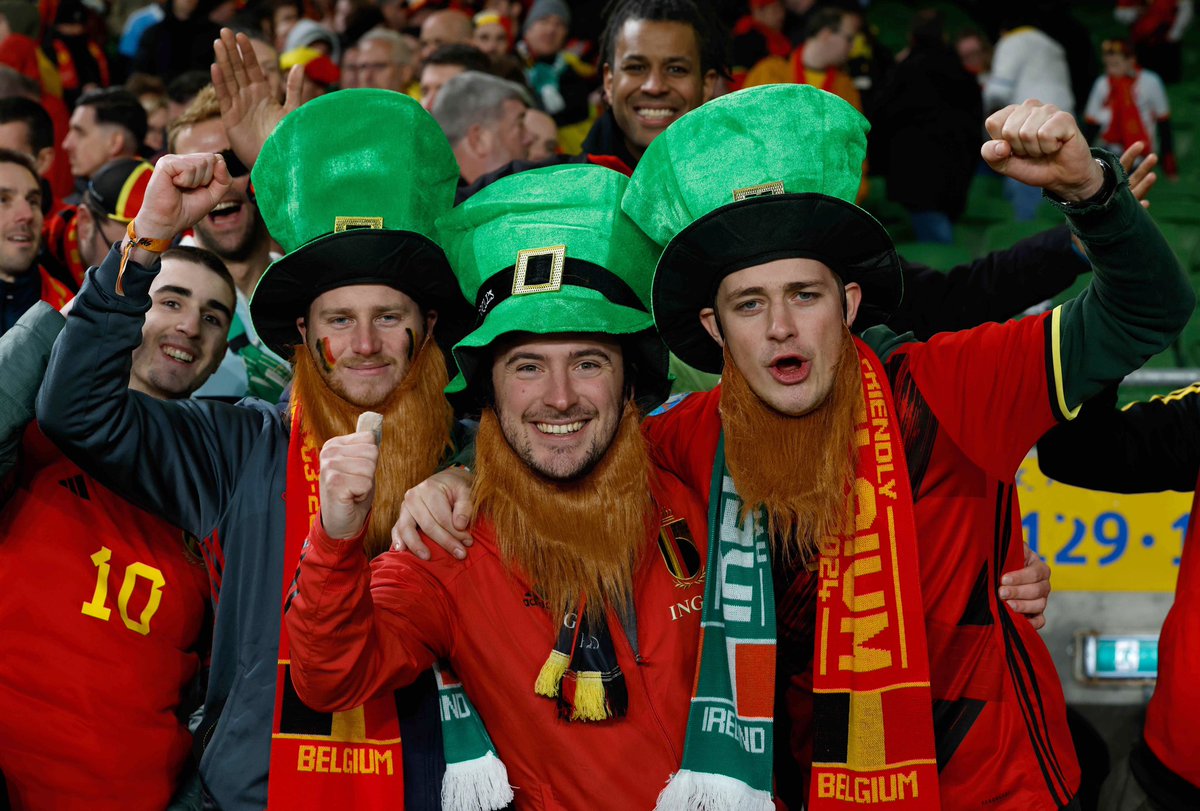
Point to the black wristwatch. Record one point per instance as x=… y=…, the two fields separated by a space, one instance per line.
x=1099 y=198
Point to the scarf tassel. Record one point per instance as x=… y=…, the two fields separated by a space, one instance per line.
x=689 y=791
x=476 y=785
x=550 y=677
x=587 y=696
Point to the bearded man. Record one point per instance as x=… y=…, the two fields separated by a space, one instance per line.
x=884 y=467
x=357 y=299
x=574 y=627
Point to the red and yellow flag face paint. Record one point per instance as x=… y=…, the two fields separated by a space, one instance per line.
x=325 y=355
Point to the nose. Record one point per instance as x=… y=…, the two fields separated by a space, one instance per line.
x=189 y=322
x=780 y=325
x=365 y=340
x=560 y=391
x=655 y=82
x=23 y=211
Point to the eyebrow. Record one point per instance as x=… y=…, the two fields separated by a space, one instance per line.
x=212 y=303
x=349 y=311
x=521 y=357
x=10 y=190
x=687 y=60
x=791 y=287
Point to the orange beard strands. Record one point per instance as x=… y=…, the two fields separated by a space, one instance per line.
x=573 y=538
x=801 y=469
x=416 y=430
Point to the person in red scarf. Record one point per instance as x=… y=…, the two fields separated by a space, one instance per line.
x=769 y=301
x=758 y=35
x=1157 y=28
x=1129 y=104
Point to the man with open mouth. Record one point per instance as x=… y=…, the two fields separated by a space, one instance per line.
x=882 y=469
x=235 y=231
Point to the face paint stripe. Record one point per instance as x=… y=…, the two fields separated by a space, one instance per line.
x=412 y=343
x=328 y=361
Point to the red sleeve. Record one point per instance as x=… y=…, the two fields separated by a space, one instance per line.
x=682 y=435
x=992 y=389
x=357 y=629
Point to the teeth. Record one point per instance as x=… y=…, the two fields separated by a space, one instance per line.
x=655 y=113
x=569 y=428
x=220 y=208
x=178 y=354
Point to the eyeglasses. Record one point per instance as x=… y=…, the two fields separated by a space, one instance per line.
x=234 y=164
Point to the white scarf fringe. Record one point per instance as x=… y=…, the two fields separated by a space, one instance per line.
x=476 y=785
x=701 y=791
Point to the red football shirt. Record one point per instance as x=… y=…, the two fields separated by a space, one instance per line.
x=102 y=609
x=971 y=405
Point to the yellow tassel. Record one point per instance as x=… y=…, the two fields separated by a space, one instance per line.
x=550 y=677
x=589 y=697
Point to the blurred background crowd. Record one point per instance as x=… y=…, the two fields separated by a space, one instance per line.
x=90 y=85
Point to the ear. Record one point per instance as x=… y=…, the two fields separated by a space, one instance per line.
x=710 y=84
x=43 y=160
x=608 y=84
x=853 y=299
x=117 y=143
x=300 y=325
x=85 y=223
x=478 y=140
x=430 y=320
x=712 y=325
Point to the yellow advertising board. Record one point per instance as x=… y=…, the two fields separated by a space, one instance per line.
x=1103 y=541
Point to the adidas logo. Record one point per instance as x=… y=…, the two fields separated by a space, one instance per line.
x=77 y=485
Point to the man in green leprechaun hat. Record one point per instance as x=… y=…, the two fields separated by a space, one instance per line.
x=358 y=302
x=883 y=469
x=574 y=627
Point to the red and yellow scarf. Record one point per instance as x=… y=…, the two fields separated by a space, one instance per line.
x=324 y=760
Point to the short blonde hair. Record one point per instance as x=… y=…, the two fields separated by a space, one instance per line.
x=204 y=107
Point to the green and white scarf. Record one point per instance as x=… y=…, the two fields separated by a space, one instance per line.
x=475 y=779
x=728 y=753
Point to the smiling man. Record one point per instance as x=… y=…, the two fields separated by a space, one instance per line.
x=885 y=468
x=661 y=59
x=564 y=626
x=121 y=596
x=357 y=301
x=22 y=281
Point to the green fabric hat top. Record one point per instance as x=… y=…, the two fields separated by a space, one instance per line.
x=762 y=174
x=351 y=184
x=549 y=251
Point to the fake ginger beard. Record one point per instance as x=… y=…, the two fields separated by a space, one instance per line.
x=416 y=430
x=800 y=469
x=568 y=538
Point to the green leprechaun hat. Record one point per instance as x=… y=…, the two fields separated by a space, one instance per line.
x=763 y=174
x=549 y=251
x=350 y=185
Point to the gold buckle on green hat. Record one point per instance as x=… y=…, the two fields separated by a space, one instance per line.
x=761 y=190
x=539 y=278
x=341 y=224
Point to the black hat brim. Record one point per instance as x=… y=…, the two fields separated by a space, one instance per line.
x=760 y=230
x=403 y=260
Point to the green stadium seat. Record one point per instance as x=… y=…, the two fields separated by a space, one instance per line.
x=940 y=257
x=1005 y=235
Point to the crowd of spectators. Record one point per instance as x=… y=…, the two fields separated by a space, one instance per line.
x=94 y=92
